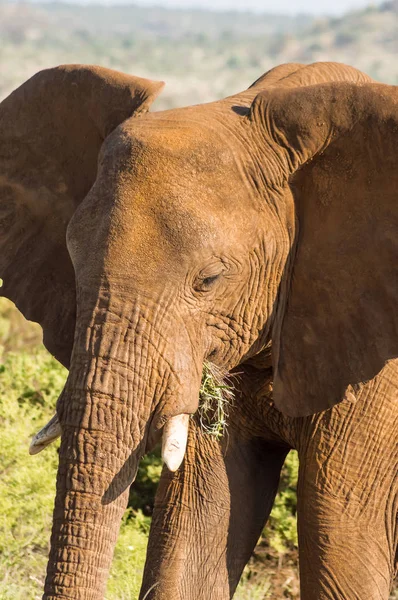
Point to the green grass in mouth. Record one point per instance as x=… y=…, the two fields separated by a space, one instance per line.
x=215 y=397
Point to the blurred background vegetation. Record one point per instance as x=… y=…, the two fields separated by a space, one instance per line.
x=202 y=56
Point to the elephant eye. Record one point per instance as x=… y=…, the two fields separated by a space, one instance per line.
x=205 y=284
x=207 y=281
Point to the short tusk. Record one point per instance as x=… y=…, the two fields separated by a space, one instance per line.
x=174 y=442
x=46 y=436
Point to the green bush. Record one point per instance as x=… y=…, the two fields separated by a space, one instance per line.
x=143 y=490
x=281 y=530
x=29 y=385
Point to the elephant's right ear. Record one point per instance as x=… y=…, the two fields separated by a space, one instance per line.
x=335 y=146
x=51 y=131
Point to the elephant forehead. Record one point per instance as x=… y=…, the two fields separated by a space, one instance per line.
x=161 y=195
x=170 y=174
x=163 y=231
x=166 y=143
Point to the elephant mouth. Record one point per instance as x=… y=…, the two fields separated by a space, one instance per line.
x=170 y=430
x=174 y=439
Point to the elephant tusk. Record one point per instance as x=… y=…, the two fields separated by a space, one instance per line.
x=174 y=442
x=45 y=436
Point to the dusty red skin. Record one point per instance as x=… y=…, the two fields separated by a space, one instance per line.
x=208 y=233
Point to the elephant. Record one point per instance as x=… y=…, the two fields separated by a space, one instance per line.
x=257 y=233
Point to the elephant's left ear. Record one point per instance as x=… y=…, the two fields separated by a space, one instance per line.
x=51 y=131
x=336 y=147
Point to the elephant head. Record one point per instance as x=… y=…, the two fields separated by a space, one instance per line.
x=145 y=246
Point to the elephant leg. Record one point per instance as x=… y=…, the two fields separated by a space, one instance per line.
x=348 y=500
x=209 y=515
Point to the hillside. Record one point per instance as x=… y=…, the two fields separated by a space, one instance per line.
x=200 y=54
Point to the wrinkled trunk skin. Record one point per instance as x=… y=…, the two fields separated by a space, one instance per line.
x=86 y=515
x=104 y=413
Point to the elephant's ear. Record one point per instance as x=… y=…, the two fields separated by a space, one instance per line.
x=276 y=74
x=292 y=75
x=51 y=131
x=337 y=148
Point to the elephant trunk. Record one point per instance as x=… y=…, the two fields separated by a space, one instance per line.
x=116 y=381
x=87 y=511
x=96 y=467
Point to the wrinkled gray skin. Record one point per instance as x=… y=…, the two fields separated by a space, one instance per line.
x=211 y=233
